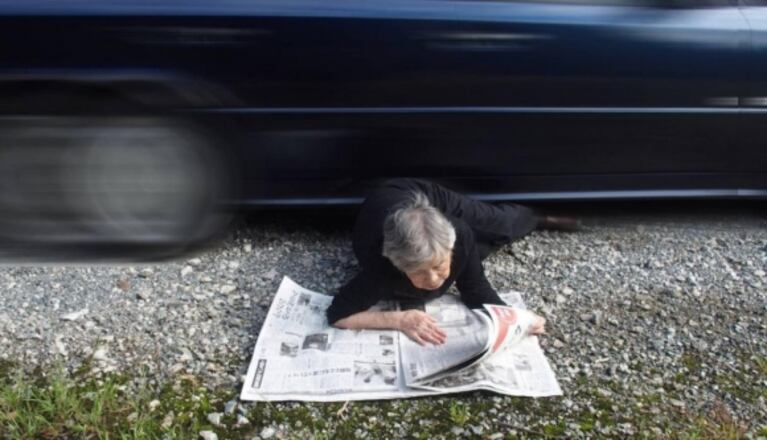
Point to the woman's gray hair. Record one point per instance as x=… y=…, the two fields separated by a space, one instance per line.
x=416 y=234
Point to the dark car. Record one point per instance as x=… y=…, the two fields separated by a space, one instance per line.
x=130 y=122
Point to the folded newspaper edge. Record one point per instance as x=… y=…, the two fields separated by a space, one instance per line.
x=504 y=326
x=298 y=356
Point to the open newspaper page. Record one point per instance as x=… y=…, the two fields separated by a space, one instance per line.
x=522 y=370
x=298 y=356
x=517 y=367
x=468 y=338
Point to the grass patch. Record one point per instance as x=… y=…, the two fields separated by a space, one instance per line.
x=459 y=413
x=58 y=404
x=718 y=424
x=63 y=405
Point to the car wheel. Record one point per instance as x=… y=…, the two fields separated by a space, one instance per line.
x=110 y=184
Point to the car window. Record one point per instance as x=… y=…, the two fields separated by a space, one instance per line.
x=661 y=4
x=698 y=4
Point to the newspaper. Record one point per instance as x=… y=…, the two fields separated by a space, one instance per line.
x=298 y=356
x=473 y=336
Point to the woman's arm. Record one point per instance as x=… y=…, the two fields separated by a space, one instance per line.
x=417 y=325
x=358 y=295
x=370 y=320
x=473 y=284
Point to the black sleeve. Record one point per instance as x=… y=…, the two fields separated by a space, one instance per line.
x=474 y=287
x=358 y=295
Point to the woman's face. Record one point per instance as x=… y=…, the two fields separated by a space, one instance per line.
x=432 y=275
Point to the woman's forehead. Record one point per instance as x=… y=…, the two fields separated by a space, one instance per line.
x=438 y=260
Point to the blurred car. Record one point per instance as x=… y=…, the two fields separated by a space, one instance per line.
x=135 y=122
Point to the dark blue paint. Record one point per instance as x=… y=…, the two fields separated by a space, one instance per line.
x=526 y=97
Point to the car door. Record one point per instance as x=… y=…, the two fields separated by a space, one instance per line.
x=494 y=96
x=499 y=96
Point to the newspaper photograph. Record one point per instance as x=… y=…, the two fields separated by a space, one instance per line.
x=298 y=356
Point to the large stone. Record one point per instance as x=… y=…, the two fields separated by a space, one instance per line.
x=230 y=407
x=101 y=354
x=228 y=288
x=208 y=435
x=215 y=418
x=74 y=316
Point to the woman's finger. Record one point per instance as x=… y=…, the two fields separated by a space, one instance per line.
x=427 y=338
x=538 y=331
x=436 y=338
x=436 y=329
x=538 y=326
x=418 y=340
x=428 y=335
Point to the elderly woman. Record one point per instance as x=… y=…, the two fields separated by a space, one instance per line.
x=414 y=239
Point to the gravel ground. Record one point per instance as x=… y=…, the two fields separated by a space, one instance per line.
x=656 y=307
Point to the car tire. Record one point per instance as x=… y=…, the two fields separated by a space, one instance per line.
x=154 y=185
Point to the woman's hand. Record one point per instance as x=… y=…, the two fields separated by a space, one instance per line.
x=420 y=327
x=538 y=326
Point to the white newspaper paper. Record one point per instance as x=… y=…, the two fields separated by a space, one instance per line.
x=298 y=356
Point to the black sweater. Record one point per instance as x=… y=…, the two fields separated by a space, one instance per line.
x=380 y=280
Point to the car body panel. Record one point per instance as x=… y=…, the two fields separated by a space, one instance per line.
x=507 y=100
